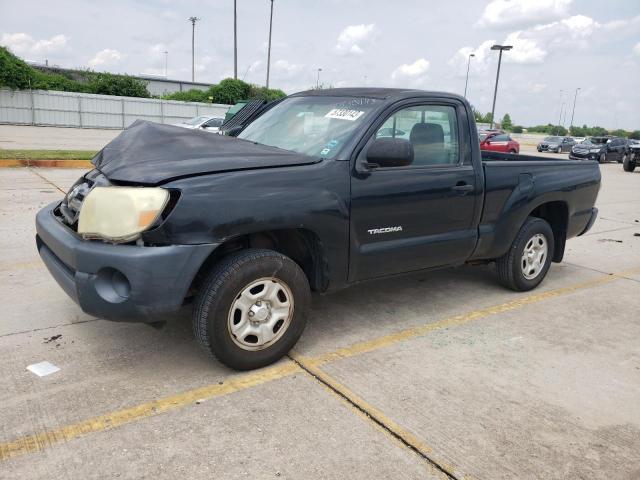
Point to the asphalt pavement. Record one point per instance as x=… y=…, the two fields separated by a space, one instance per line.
x=433 y=375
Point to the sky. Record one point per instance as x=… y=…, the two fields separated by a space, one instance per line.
x=558 y=46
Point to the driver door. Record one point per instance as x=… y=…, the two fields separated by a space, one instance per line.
x=419 y=216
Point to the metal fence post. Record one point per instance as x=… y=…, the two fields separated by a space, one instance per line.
x=197 y=110
x=79 y=111
x=33 y=108
x=122 y=103
x=161 y=111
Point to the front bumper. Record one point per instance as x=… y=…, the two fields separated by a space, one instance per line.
x=118 y=282
x=583 y=156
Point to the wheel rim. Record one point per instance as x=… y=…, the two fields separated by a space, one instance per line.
x=534 y=256
x=260 y=314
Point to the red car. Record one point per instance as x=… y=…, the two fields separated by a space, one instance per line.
x=498 y=142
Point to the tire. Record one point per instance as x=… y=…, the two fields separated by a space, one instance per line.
x=622 y=158
x=510 y=267
x=602 y=158
x=628 y=164
x=219 y=306
x=559 y=150
x=512 y=152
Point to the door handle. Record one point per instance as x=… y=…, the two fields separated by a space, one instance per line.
x=462 y=188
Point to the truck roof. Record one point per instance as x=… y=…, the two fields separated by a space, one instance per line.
x=382 y=93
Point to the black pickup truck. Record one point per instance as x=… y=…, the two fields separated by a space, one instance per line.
x=316 y=192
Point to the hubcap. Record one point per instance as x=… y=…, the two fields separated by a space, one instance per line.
x=534 y=256
x=260 y=314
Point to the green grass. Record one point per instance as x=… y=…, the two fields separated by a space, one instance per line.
x=46 y=154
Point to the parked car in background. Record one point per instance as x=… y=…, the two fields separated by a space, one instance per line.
x=602 y=149
x=499 y=142
x=204 y=122
x=556 y=144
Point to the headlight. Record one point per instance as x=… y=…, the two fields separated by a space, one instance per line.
x=120 y=214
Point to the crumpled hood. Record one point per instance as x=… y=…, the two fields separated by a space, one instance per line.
x=153 y=153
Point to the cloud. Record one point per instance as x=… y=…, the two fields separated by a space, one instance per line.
x=479 y=63
x=533 y=45
x=25 y=44
x=286 y=68
x=354 y=37
x=519 y=12
x=636 y=49
x=415 y=69
x=412 y=74
x=525 y=50
x=105 y=58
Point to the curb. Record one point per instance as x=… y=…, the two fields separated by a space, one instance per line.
x=53 y=163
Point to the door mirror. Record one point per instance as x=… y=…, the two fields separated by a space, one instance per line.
x=390 y=152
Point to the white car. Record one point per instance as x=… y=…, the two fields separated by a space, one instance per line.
x=203 y=122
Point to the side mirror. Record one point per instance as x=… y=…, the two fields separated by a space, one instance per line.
x=390 y=152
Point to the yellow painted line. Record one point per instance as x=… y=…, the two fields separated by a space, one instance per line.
x=380 y=417
x=40 y=441
x=403 y=335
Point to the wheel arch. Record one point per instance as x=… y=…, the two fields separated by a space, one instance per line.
x=556 y=214
x=302 y=245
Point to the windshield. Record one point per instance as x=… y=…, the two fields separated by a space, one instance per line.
x=552 y=139
x=195 y=121
x=595 y=140
x=316 y=126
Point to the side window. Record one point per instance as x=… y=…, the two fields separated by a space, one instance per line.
x=432 y=130
x=501 y=138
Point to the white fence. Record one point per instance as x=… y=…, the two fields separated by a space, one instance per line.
x=84 y=110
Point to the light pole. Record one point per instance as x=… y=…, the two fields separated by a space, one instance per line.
x=562 y=110
x=166 y=63
x=193 y=21
x=235 y=41
x=574 y=108
x=318 y=80
x=466 y=82
x=501 y=48
x=560 y=113
x=269 y=48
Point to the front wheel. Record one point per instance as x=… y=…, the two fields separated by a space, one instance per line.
x=629 y=163
x=252 y=308
x=559 y=150
x=528 y=260
x=602 y=158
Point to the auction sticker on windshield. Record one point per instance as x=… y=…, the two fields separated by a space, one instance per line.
x=344 y=114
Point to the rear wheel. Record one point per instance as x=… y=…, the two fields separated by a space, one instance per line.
x=512 y=152
x=252 y=308
x=528 y=260
x=629 y=163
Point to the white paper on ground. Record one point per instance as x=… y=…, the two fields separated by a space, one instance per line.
x=43 y=369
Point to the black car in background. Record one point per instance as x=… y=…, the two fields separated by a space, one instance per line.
x=603 y=149
x=556 y=144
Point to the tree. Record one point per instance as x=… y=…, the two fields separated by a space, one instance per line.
x=230 y=91
x=517 y=129
x=635 y=135
x=506 y=122
x=122 y=85
x=620 y=133
x=14 y=72
x=192 y=95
